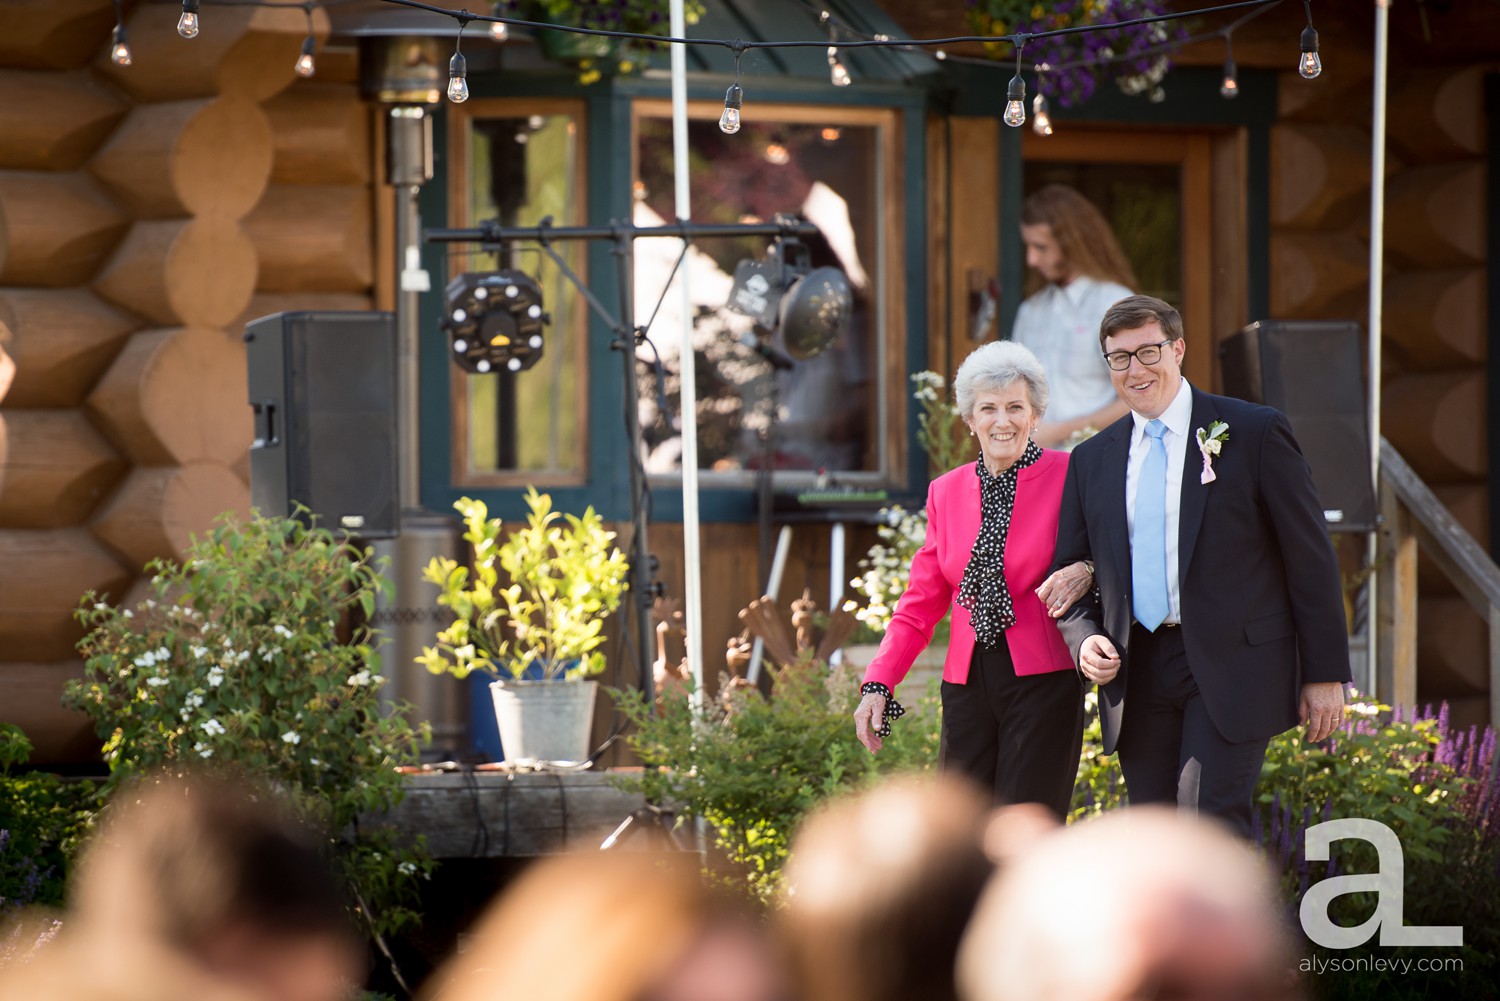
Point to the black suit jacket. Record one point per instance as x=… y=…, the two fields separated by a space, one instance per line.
x=1262 y=608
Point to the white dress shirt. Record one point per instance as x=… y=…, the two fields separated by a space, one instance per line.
x=1178 y=415
x=1060 y=324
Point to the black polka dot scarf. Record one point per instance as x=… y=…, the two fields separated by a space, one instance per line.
x=982 y=590
x=893 y=709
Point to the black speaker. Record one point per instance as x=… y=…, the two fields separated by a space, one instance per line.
x=1310 y=371
x=323 y=388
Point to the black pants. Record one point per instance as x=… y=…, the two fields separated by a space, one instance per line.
x=1170 y=751
x=1018 y=736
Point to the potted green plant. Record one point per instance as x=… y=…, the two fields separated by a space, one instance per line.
x=531 y=615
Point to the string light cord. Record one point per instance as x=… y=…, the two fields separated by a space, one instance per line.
x=861 y=42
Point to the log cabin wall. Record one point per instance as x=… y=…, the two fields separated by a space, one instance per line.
x=145 y=213
x=1433 y=408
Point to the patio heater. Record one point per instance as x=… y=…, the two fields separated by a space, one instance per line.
x=406 y=73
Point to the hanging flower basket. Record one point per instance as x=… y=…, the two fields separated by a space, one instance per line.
x=573 y=48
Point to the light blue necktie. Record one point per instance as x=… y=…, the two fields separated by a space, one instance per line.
x=1148 y=547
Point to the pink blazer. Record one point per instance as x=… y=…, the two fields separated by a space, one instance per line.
x=1036 y=646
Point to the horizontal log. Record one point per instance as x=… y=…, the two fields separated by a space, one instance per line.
x=1452 y=647
x=54 y=34
x=47 y=571
x=1312 y=272
x=322 y=135
x=157 y=510
x=1433 y=216
x=247 y=52
x=1438 y=114
x=194 y=272
x=57 y=469
x=1436 y=319
x=313 y=238
x=521 y=814
x=267 y=303
x=176 y=396
x=1320 y=177
x=1437 y=422
x=62 y=340
x=188 y=158
x=54 y=121
x=33 y=702
x=55 y=229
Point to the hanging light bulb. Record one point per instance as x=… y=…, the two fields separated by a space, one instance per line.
x=1230 y=87
x=837 y=72
x=1015 y=106
x=305 y=67
x=119 y=48
x=458 y=85
x=499 y=30
x=1309 y=65
x=1041 y=121
x=187 y=24
x=729 y=121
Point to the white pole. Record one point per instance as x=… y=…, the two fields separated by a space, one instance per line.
x=691 y=558
x=1377 y=290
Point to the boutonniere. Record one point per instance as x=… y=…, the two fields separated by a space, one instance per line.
x=1210 y=444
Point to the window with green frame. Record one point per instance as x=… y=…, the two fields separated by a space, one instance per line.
x=520 y=161
x=832 y=166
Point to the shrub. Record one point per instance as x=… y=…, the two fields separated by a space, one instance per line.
x=244 y=658
x=752 y=767
x=41 y=819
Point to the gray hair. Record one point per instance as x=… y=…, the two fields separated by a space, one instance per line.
x=997 y=364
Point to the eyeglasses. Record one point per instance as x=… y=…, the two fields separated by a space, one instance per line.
x=1146 y=354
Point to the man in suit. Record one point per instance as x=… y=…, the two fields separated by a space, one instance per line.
x=1217 y=615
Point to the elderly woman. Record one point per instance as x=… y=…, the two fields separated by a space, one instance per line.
x=1012 y=701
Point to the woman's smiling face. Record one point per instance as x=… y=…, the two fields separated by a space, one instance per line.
x=1002 y=420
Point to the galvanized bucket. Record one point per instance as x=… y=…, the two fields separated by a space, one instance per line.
x=544 y=722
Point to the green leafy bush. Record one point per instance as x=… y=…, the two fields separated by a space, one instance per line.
x=244 y=658
x=753 y=767
x=564 y=582
x=41 y=819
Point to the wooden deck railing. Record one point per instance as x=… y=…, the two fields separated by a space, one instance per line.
x=1414 y=519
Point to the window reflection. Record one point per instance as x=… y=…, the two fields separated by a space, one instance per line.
x=826 y=408
x=523 y=168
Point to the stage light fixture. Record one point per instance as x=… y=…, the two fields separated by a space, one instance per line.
x=494 y=321
x=809 y=307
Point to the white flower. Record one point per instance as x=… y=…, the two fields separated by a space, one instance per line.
x=360 y=679
x=198 y=652
x=265 y=653
x=242 y=656
x=407 y=869
x=125 y=614
x=193 y=701
x=282 y=631
x=148 y=603
x=100 y=606
x=215 y=677
x=213 y=727
x=163 y=654
x=204 y=751
x=291 y=737
x=315 y=762
x=158 y=682
x=146 y=660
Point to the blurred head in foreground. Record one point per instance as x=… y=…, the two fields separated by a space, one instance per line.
x=879 y=888
x=1137 y=904
x=611 y=926
x=199 y=887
